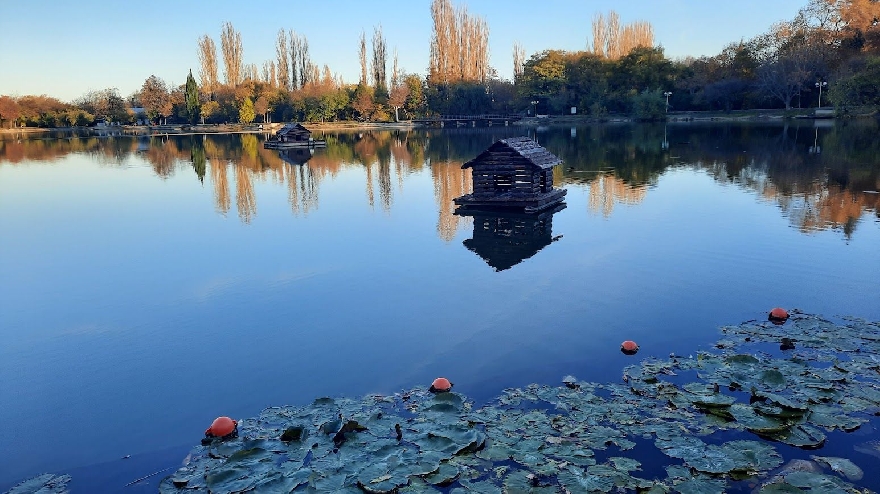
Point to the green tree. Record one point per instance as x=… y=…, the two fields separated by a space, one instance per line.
x=415 y=100
x=649 y=105
x=246 y=113
x=861 y=86
x=192 y=99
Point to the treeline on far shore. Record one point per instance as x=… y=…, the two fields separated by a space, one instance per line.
x=828 y=55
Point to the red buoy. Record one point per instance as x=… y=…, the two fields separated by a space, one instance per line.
x=629 y=347
x=778 y=316
x=222 y=426
x=440 y=385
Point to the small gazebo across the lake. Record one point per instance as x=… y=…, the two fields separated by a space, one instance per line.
x=293 y=132
x=515 y=173
x=293 y=135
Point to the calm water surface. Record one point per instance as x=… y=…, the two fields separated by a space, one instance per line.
x=151 y=284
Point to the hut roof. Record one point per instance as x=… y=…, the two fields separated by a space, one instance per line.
x=292 y=128
x=523 y=147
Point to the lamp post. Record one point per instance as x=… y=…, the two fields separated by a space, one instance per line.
x=667 y=94
x=820 y=84
x=535 y=108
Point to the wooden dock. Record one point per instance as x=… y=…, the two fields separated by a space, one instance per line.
x=468 y=120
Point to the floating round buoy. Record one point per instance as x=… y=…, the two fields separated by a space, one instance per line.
x=778 y=316
x=221 y=427
x=440 y=385
x=629 y=347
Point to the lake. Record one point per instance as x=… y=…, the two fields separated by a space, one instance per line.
x=150 y=284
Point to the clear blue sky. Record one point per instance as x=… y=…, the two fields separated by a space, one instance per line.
x=64 y=49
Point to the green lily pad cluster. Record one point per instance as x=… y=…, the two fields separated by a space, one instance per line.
x=46 y=483
x=580 y=436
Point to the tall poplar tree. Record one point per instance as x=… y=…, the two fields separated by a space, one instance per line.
x=192 y=99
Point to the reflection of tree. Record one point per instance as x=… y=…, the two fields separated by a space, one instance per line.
x=814 y=190
x=606 y=190
x=163 y=154
x=197 y=156
x=615 y=162
x=302 y=187
x=450 y=181
x=244 y=194
x=49 y=147
x=221 y=186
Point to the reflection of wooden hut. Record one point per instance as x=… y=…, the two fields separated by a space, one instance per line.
x=515 y=173
x=292 y=135
x=506 y=238
x=296 y=156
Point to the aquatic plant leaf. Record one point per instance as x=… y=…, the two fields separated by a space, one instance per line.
x=625 y=464
x=842 y=466
x=445 y=475
x=801 y=435
x=701 y=486
x=779 y=487
x=715 y=400
x=772 y=377
x=576 y=480
x=480 y=487
x=785 y=403
x=46 y=483
x=833 y=418
x=755 y=422
x=418 y=486
x=817 y=482
x=752 y=455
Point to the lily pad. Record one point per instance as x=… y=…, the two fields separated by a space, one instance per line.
x=46 y=483
x=842 y=466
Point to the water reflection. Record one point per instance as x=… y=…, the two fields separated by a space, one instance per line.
x=820 y=177
x=505 y=238
x=606 y=190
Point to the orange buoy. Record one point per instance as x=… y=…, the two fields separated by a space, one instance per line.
x=778 y=316
x=222 y=426
x=629 y=347
x=440 y=385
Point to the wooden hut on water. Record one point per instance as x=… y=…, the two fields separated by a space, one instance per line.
x=292 y=135
x=516 y=174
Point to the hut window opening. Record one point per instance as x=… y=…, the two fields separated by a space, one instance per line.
x=546 y=181
x=503 y=182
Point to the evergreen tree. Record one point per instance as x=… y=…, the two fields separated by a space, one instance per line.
x=192 y=99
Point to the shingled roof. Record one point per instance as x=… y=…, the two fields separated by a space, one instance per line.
x=293 y=128
x=517 y=147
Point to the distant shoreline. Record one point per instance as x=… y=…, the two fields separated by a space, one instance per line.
x=691 y=116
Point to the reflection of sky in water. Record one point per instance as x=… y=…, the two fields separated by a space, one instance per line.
x=133 y=312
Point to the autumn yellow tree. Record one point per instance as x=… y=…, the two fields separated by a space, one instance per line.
x=230 y=45
x=612 y=40
x=207 y=64
x=459 y=45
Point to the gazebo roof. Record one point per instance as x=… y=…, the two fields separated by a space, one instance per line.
x=292 y=128
x=522 y=147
